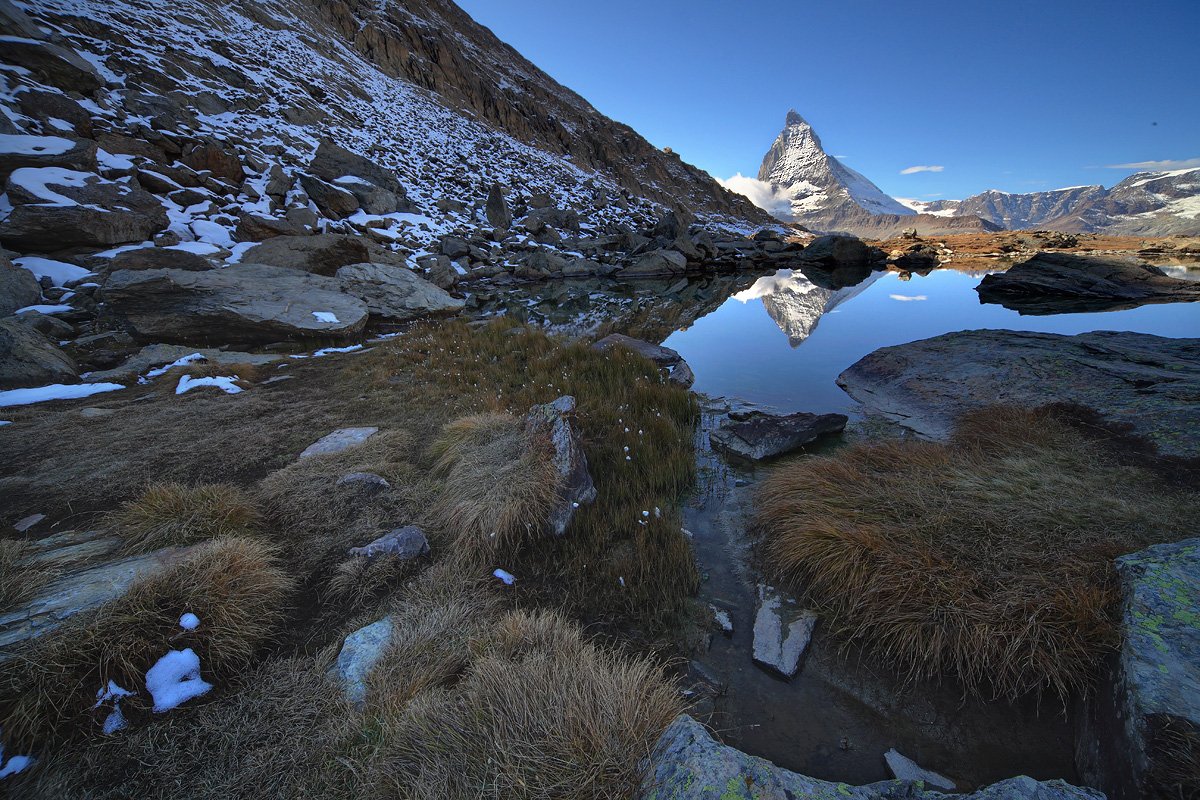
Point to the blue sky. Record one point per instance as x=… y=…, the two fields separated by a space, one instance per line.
x=1018 y=96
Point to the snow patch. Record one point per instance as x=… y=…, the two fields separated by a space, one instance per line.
x=225 y=384
x=326 y=316
x=59 y=272
x=189 y=621
x=175 y=679
x=55 y=391
x=17 y=144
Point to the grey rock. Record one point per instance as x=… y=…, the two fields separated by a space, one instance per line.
x=1151 y=383
x=333 y=161
x=540 y=218
x=18 y=287
x=79 y=155
x=1052 y=283
x=218 y=158
x=338 y=441
x=656 y=262
x=257 y=228
x=917 y=258
x=541 y=263
x=156 y=355
x=757 y=435
x=48 y=325
x=373 y=199
x=360 y=652
x=104 y=212
x=368 y=483
x=1153 y=689
x=666 y=358
x=322 y=254
x=905 y=769
x=27 y=358
x=782 y=631
x=76 y=592
x=60 y=66
x=723 y=620
x=570 y=462
x=581 y=267
x=496 y=208
x=395 y=293
x=836 y=251
x=332 y=201
x=25 y=524
x=455 y=247
x=243 y=303
x=689 y=764
x=158 y=258
x=404 y=543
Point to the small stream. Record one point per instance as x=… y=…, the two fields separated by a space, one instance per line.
x=778 y=342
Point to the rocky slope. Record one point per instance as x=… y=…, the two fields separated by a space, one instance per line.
x=823 y=194
x=1144 y=204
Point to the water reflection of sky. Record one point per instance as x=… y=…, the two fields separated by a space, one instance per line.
x=739 y=351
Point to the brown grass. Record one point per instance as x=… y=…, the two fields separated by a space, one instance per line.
x=20 y=577
x=500 y=483
x=989 y=557
x=541 y=714
x=235 y=586
x=172 y=514
x=279 y=735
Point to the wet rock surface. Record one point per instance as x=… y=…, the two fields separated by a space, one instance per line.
x=1151 y=383
x=689 y=764
x=1054 y=283
x=757 y=435
x=782 y=631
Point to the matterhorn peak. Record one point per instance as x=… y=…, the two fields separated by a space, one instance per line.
x=794 y=118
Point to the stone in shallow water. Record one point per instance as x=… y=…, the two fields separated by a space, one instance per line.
x=906 y=769
x=339 y=440
x=782 y=632
x=359 y=654
x=757 y=435
x=688 y=764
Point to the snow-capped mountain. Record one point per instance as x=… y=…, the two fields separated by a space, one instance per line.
x=1144 y=204
x=811 y=187
x=817 y=184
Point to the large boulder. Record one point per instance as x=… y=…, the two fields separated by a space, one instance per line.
x=575 y=489
x=1143 y=724
x=53 y=63
x=656 y=262
x=836 y=251
x=562 y=218
x=158 y=258
x=1151 y=383
x=1052 y=283
x=45 y=151
x=56 y=208
x=757 y=435
x=332 y=201
x=395 y=293
x=243 y=303
x=373 y=199
x=677 y=369
x=18 y=287
x=217 y=157
x=322 y=254
x=332 y=162
x=27 y=358
x=496 y=208
x=689 y=764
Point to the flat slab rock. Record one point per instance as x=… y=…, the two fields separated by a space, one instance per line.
x=339 y=440
x=157 y=355
x=1051 y=283
x=689 y=764
x=757 y=435
x=360 y=652
x=905 y=769
x=782 y=632
x=664 y=357
x=1149 y=382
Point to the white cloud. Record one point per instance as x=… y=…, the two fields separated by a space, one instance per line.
x=922 y=168
x=1183 y=163
x=764 y=195
x=908 y=298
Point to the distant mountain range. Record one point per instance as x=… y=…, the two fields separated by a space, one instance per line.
x=810 y=187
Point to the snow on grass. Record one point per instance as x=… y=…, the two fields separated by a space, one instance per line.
x=55 y=391
x=60 y=273
x=189 y=621
x=328 y=351
x=507 y=577
x=225 y=384
x=45 y=308
x=13 y=765
x=326 y=316
x=115 y=720
x=175 y=679
x=17 y=144
x=179 y=362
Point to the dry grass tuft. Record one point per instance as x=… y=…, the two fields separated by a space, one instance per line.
x=235 y=586
x=21 y=578
x=989 y=557
x=278 y=735
x=172 y=514
x=542 y=714
x=500 y=482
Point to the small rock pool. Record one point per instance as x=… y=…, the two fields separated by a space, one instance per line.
x=778 y=342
